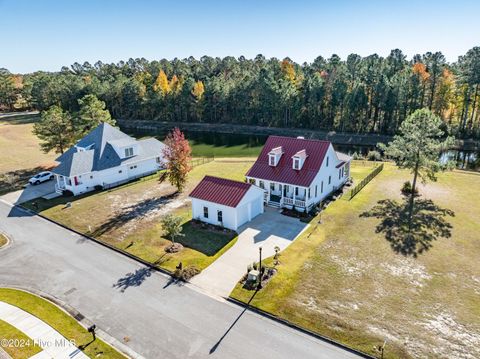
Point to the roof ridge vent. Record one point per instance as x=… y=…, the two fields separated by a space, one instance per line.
x=300 y=137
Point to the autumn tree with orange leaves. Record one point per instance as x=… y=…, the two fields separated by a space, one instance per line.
x=177 y=156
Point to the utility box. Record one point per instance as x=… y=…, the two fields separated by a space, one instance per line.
x=253 y=275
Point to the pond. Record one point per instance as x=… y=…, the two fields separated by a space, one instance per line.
x=244 y=145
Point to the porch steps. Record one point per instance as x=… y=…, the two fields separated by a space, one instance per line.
x=274 y=204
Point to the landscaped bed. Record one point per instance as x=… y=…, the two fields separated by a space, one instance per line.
x=128 y=217
x=3 y=240
x=60 y=321
x=353 y=278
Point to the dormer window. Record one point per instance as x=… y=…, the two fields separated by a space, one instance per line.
x=299 y=159
x=129 y=152
x=274 y=156
x=296 y=163
x=271 y=160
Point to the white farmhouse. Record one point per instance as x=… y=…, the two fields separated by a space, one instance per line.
x=298 y=173
x=106 y=157
x=226 y=203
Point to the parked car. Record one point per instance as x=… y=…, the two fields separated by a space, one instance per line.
x=41 y=177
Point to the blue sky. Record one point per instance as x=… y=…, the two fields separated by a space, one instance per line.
x=45 y=34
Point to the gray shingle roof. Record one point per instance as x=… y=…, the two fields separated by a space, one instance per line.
x=100 y=153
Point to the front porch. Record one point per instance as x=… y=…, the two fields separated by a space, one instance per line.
x=282 y=195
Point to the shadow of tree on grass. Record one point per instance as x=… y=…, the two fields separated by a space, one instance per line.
x=137 y=210
x=428 y=224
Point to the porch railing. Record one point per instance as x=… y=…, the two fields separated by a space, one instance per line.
x=288 y=201
x=299 y=203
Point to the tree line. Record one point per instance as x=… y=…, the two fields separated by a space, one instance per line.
x=371 y=94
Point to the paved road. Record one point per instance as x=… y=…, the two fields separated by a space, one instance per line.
x=124 y=299
x=267 y=230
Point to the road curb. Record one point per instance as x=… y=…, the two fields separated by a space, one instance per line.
x=300 y=329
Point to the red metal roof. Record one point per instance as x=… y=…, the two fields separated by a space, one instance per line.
x=284 y=172
x=220 y=190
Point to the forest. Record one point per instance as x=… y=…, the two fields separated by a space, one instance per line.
x=371 y=94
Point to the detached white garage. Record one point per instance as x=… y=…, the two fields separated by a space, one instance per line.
x=226 y=203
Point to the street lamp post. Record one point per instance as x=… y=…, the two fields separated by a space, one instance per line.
x=260 y=269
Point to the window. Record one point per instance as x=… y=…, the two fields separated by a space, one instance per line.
x=91 y=177
x=158 y=160
x=251 y=180
x=316 y=192
x=280 y=187
x=205 y=212
x=343 y=171
x=329 y=179
x=327 y=161
x=129 y=152
x=287 y=188
x=220 y=216
x=296 y=163
x=339 y=173
x=120 y=171
x=271 y=160
x=309 y=192
x=272 y=186
x=296 y=191
x=321 y=188
x=261 y=184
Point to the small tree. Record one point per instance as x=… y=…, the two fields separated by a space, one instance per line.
x=92 y=113
x=172 y=225
x=55 y=130
x=417 y=147
x=177 y=154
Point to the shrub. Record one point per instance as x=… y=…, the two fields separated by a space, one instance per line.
x=187 y=273
x=374 y=156
x=407 y=189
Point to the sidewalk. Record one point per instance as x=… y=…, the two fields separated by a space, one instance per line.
x=54 y=345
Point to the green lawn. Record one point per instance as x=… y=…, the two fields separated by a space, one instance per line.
x=59 y=320
x=3 y=240
x=128 y=217
x=202 y=149
x=347 y=281
x=25 y=348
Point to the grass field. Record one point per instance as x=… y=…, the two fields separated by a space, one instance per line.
x=21 y=156
x=11 y=333
x=19 y=147
x=358 y=279
x=60 y=321
x=128 y=217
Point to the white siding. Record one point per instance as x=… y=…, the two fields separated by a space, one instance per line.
x=249 y=207
x=88 y=181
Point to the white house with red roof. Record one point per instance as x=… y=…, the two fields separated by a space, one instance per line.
x=225 y=202
x=298 y=173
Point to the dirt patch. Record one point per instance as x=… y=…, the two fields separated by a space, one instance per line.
x=452 y=337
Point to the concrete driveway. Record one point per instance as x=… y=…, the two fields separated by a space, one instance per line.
x=30 y=192
x=267 y=230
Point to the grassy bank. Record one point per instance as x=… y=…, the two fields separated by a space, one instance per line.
x=12 y=335
x=355 y=279
x=60 y=321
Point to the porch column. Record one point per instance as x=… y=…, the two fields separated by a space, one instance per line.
x=294 y=194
